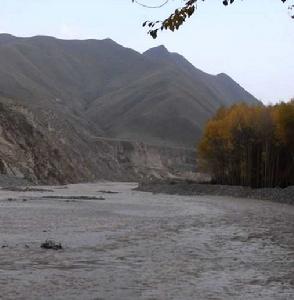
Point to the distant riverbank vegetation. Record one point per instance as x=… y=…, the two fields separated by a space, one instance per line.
x=250 y=145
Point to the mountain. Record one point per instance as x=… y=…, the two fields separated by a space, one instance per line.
x=168 y=104
x=60 y=98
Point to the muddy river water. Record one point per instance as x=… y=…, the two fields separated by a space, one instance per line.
x=136 y=245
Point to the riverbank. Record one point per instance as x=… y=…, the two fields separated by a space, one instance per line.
x=285 y=195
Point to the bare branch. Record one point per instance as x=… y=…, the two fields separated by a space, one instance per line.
x=148 y=6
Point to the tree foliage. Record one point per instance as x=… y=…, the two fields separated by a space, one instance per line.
x=250 y=145
x=176 y=19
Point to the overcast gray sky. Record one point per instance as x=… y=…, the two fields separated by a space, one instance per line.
x=252 y=40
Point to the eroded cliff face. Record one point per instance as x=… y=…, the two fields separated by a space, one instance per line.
x=34 y=147
x=137 y=160
x=29 y=150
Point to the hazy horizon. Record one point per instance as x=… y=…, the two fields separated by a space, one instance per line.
x=249 y=41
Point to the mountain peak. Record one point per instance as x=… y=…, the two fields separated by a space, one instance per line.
x=4 y=37
x=157 y=52
x=223 y=75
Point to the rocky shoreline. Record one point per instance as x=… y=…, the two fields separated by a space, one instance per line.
x=280 y=195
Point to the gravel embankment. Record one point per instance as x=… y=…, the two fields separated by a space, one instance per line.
x=285 y=195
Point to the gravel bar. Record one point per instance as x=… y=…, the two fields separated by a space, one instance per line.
x=285 y=195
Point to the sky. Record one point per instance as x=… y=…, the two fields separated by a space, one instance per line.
x=252 y=40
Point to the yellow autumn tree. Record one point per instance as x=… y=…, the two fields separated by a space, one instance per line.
x=250 y=145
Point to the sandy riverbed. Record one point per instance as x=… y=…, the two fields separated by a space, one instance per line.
x=136 y=245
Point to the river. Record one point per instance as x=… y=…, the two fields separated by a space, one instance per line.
x=136 y=245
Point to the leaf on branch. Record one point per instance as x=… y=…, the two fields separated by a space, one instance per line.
x=179 y=16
